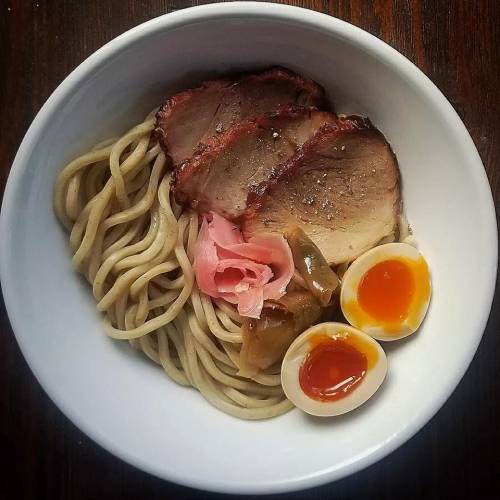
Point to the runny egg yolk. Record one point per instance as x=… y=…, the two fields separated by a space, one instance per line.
x=386 y=291
x=333 y=368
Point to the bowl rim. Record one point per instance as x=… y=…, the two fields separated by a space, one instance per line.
x=257 y=10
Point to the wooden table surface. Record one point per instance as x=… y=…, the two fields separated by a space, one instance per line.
x=456 y=43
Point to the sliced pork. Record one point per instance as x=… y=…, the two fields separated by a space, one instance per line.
x=193 y=116
x=220 y=176
x=341 y=188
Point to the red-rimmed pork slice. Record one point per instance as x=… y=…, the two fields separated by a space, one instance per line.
x=193 y=116
x=231 y=164
x=341 y=188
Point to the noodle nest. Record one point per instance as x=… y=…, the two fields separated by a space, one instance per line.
x=134 y=245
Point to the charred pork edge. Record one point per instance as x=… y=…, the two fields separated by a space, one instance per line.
x=343 y=125
x=272 y=72
x=216 y=144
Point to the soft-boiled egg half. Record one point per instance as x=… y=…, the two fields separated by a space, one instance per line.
x=332 y=368
x=386 y=291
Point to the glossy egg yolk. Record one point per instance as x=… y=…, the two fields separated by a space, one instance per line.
x=332 y=369
x=386 y=291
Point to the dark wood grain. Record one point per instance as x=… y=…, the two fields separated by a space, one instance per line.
x=456 y=43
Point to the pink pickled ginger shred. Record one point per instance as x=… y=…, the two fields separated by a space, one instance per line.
x=243 y=273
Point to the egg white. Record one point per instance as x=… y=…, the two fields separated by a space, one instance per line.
x=359 y=318
x=362 y=392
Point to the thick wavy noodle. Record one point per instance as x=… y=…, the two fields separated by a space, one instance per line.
x=135 y=247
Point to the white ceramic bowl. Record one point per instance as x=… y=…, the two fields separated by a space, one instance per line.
x=126 y=403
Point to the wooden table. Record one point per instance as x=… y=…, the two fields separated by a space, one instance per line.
x=456 y=43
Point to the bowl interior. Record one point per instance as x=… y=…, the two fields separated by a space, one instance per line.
x=124 y=401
